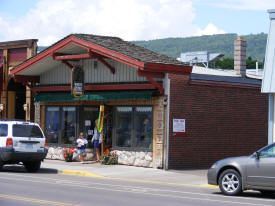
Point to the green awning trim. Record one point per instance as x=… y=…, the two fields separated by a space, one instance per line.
x=95 y=96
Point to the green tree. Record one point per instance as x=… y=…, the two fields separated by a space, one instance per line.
x=228 y=63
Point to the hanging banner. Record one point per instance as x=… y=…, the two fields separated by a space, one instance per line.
x=100 y=118
x=77 y=82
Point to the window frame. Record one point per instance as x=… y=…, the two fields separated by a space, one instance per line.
x=133 y=132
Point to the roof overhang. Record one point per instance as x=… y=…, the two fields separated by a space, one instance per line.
x=73 y=48
x=73 y=45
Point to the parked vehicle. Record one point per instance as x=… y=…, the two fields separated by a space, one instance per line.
x=236 y=174
x=22 y=141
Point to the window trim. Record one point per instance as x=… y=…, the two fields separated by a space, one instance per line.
x=133 y=132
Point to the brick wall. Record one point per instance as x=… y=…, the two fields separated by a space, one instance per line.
x=220 y=122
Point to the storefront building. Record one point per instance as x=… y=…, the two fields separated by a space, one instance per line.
x=130 y=81
x=16 y=96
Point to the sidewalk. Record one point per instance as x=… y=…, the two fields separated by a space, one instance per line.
x=129 y=173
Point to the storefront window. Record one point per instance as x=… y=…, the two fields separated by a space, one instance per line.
x=143 y=127
x=123 y=126
x=68 y=125
x=134 y=127
x=52 y=125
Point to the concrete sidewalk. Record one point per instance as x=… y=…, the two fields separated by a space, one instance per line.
x=129 y=173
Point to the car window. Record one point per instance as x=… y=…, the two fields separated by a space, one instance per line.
x=3 y=130
x=268 y=151
x=19 y=130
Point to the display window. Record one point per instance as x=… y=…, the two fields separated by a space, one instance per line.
x=64 y=123
x=133 y=127
x=128 y=127
x=52 y=124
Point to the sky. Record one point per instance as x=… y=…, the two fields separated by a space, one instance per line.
x=51 y=20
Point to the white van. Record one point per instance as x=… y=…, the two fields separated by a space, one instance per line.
x=22 y=141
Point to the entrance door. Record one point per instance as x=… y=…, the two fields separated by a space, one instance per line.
x=16 y=95
x=87 y=121
x=68 y=125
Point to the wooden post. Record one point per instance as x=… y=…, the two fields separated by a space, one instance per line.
x=29 y=95
x=4 y=83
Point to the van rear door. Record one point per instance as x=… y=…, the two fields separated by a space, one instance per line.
x=27 y=137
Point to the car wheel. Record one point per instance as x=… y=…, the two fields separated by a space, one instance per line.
x=32 y=166
x=230 y=182
x=266 y=192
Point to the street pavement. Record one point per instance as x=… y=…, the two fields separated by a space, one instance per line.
x=105 y=185
x=129 y=173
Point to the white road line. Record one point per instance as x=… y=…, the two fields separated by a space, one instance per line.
x=140 y=190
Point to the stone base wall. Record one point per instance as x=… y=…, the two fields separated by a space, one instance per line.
x=139 y=159
x=56 y=153
x=133 y=158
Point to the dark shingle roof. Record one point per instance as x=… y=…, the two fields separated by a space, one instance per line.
x=128 y=49
x=17 y=43
x=234 y=80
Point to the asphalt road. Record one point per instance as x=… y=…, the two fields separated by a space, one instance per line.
x=48 y=187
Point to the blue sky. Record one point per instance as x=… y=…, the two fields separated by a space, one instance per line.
x=50 y=20
x=231 y=20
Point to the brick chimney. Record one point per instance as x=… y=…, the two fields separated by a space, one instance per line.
x=240 y=56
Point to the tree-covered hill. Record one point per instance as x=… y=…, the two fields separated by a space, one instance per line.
x=221 y=43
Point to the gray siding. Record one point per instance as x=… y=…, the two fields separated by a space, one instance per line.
x=101 y=74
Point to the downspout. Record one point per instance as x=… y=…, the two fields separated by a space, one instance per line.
x=167 y=88
x=270 y=118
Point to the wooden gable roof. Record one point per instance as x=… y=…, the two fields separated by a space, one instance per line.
x=107 y=47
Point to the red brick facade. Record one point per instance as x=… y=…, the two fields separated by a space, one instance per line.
x=220 y=122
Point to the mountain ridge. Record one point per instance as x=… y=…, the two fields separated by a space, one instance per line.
x=219 y=43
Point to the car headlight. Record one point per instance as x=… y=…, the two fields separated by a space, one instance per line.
x=214 y=166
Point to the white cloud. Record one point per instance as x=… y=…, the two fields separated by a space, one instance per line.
x=210 y=29
x=51 y=20
x=246 y=4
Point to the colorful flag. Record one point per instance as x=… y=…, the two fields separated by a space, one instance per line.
x=100 y=119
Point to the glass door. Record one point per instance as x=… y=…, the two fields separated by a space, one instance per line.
x=87 y=122
x=68 y=123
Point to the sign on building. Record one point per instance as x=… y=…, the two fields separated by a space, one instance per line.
x=77 y=83
x=178 y=125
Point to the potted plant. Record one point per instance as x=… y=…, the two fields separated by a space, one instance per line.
x=109 y=158
x=68 y=153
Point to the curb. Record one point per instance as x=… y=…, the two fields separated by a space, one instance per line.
x=81 y=173
x=90 y=174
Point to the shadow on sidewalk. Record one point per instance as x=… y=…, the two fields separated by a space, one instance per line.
x=21 y=169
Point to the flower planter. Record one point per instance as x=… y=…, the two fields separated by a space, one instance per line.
x=69 y=159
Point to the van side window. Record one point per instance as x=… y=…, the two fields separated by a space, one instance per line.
x=3 y=130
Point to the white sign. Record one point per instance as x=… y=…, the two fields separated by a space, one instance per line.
x=178 y=125
x=87 y=123
x=90 y=132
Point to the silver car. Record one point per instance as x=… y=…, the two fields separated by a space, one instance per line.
x=236 y=174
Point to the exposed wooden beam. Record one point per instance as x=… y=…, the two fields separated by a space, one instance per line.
x=150 y=74
x=67 y=64
x=58 y=56
x=156 y=84
x=112 y=69
x=23 y=79
x=82 y=43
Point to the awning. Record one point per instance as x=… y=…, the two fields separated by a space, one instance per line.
x=96 y=96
